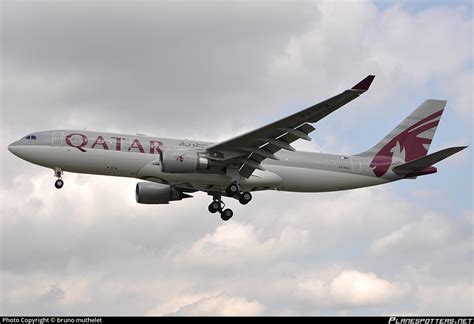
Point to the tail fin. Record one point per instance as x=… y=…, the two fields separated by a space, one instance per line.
x=408 y=141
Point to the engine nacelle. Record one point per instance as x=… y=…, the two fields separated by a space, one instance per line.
x=157 y=193
x=182 y=161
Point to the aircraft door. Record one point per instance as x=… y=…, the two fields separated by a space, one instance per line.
x=355 y=165
x=57 y=139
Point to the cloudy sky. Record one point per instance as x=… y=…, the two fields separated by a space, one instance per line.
x=208 y=70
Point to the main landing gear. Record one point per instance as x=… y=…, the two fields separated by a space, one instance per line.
x=233 y=190
x=58 y=173
x=217 y=205
x=245 y=197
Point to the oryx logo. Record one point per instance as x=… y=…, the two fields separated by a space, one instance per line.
x=410 y=144
x=180 y=158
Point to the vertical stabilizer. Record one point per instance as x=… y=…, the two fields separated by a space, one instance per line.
x=410 y=140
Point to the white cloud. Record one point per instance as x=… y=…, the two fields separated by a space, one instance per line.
x=352 y=288
x=74 y=289
x=331 y=218
x=234 y=245
x=222 y=304
x=461 y=90
x=415 y=45
x=455 y=298
x=21 y=290
x=431 y=232
x=431 y=47
x=469 y=217
x=173 y=304
x=357 y=288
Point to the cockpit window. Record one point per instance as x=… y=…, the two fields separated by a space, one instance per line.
x=33 y=137
x=28 y=137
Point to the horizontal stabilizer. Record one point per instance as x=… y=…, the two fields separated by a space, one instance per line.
x=426 y=161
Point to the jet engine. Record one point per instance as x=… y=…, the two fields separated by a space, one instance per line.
x=157 y=193
x=182 y=162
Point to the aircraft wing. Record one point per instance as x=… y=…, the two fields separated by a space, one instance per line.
x=250 y=149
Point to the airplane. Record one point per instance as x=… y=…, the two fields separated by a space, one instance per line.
x=262 y=159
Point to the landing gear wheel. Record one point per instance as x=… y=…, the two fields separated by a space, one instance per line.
x=245 y=198
x=59 y=184
x=58 y=174
x=227 y=214
x=214 y=207
x=232 y=190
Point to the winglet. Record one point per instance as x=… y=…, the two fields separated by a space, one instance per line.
x=364 y=84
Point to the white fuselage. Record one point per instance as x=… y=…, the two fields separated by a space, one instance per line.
x=139 y=156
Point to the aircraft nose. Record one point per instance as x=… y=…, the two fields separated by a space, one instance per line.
x=13 y=147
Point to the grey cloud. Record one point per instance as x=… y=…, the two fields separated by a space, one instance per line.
x=132 y=255
x=427 y=237
x=46 y=303
x=55 y=236
x=136 y=63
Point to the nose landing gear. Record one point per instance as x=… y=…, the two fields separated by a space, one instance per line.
x=59 y=184
x=58 y=174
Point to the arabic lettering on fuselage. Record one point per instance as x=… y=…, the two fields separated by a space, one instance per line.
x=114 y=143
x=191 y=144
